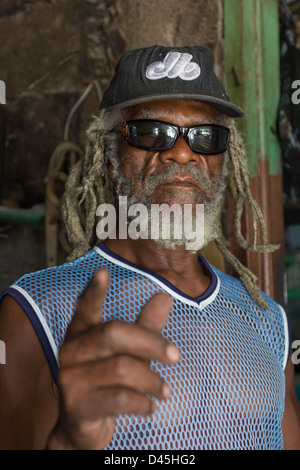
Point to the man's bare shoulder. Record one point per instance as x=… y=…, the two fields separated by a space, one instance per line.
x=28 y=405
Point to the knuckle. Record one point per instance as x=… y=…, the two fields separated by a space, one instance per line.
x=121 y=399
x=112 y=332
x=122 y=367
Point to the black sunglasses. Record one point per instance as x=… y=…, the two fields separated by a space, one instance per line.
x=153 y=135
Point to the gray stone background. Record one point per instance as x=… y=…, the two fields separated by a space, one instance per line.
x=50 y=51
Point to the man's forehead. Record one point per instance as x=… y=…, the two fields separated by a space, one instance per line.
x=146 y=112
x=169 y=108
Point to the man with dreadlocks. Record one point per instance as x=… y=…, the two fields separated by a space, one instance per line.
x=138 y=342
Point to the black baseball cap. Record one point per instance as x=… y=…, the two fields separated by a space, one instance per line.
x=158 y=72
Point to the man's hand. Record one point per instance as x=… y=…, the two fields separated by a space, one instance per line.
x=104 y=368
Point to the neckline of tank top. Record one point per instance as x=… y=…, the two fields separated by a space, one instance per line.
x=202 y=301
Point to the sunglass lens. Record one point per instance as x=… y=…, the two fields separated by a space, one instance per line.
x=151 y=134
x=209 y=139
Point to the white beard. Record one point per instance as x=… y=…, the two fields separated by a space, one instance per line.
x=211 y=194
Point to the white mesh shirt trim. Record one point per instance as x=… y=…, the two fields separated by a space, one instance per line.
x=41 y=319
x=287 y=336
x=168 y=289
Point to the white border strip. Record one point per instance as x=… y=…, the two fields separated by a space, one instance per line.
x=202 y=304
x=287 y=337
x=41 y=319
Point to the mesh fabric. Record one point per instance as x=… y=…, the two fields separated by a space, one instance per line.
x=228 y=388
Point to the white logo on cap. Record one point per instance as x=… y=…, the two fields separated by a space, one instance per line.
x=175 y=64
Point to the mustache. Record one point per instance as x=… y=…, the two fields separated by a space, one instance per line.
x=177 y=169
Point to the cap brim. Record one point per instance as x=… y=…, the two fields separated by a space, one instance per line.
x=225 y=107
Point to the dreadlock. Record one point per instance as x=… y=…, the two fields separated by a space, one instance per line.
x=239 y=187
x=88 y=186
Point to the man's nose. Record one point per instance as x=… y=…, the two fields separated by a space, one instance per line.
x=180 y=153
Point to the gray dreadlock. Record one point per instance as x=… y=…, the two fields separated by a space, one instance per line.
x=88 y=186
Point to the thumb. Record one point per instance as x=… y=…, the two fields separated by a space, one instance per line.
x=154 y=314
x=89 y=307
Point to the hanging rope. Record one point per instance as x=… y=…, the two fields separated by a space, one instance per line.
x=63 y=158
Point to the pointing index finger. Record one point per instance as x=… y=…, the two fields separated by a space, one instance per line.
x=89 y=307
x=154 y=316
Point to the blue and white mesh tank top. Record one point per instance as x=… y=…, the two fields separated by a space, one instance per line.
x=228 y=388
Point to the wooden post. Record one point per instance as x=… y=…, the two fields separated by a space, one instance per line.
x=251 y=29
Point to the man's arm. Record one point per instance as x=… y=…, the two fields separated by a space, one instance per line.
x=104 y=371
x=291 y=417
x=28 y=407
